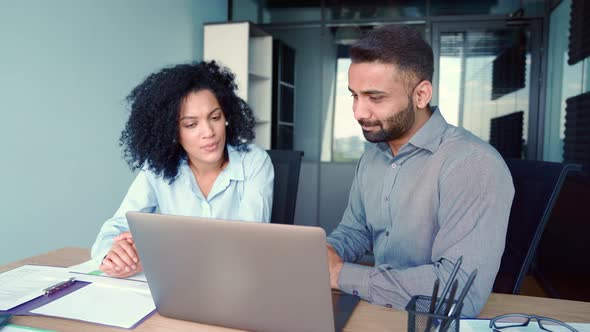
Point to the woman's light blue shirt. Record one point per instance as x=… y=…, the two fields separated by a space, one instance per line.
x=242 y=191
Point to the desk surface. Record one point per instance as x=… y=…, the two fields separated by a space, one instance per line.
x=366 y=317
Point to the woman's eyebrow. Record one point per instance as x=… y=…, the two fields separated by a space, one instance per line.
x=192 y=117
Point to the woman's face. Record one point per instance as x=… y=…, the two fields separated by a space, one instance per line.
x=202 y=128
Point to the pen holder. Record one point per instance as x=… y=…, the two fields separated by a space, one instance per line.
x=421 y=320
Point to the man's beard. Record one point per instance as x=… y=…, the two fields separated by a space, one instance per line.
x=393 y=127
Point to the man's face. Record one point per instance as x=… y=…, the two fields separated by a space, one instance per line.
x=382 y=105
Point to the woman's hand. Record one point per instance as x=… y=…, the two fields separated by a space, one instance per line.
x=122 y=260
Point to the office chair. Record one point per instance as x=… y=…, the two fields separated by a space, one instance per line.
x=287 y=164
x=537 y=185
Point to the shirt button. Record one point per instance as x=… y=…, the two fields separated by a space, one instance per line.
x=206 y=210
x=387 y=233
x=355 y=293
x=394 y=165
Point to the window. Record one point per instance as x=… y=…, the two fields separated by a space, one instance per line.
x=348 y=140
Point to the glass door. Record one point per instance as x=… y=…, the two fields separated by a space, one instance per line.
x=485 y=75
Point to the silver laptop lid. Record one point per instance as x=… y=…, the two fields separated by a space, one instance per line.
x=251 y=276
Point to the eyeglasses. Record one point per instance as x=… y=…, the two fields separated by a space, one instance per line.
x=520 y=320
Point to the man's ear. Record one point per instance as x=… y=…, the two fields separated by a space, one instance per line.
x=422 y=94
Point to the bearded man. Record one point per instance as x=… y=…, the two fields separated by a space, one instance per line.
x=425 y=193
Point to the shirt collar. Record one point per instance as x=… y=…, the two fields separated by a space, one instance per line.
x=235 y=167
x=430 y=135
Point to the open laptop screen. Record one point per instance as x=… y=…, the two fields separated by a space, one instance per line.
x=252 y=276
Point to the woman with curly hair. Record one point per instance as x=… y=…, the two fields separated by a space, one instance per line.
x=189 y=136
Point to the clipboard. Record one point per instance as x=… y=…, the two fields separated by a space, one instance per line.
x=57 y=291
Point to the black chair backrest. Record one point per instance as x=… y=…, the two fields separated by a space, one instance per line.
x=287 y=164
x=537 y=185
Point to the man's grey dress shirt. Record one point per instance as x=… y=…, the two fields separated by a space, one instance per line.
x=445 y=194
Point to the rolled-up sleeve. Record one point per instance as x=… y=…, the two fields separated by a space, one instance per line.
x=140 y=197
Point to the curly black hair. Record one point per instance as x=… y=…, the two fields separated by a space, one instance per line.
x=150 y=137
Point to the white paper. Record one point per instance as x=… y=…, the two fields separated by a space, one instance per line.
x=91 y=267
x=125 y=284
x=88 y=271
x=101 y=304
x=27 y=282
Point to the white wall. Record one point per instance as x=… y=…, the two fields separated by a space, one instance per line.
x=245 y=10
x=65 y=69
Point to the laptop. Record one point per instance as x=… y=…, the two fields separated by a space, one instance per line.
x=244 y=275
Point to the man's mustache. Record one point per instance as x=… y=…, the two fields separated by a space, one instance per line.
x=367 y=123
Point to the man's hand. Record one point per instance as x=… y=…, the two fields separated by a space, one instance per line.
x=122 y=260
x=335 y=266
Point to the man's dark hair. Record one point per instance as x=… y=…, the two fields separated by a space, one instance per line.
x=150 y=137
x=396 y=44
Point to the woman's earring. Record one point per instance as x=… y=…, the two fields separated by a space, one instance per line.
x=226 y=123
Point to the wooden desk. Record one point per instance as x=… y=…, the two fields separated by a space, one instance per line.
x=366 y=317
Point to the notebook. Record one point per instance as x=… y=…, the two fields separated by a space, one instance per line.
x=243 y=275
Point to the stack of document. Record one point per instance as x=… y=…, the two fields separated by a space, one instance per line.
x=98 y=299
x=101 y=304
x=27 y=282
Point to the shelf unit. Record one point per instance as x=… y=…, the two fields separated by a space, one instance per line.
x=247 y=51
x=283 y=96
